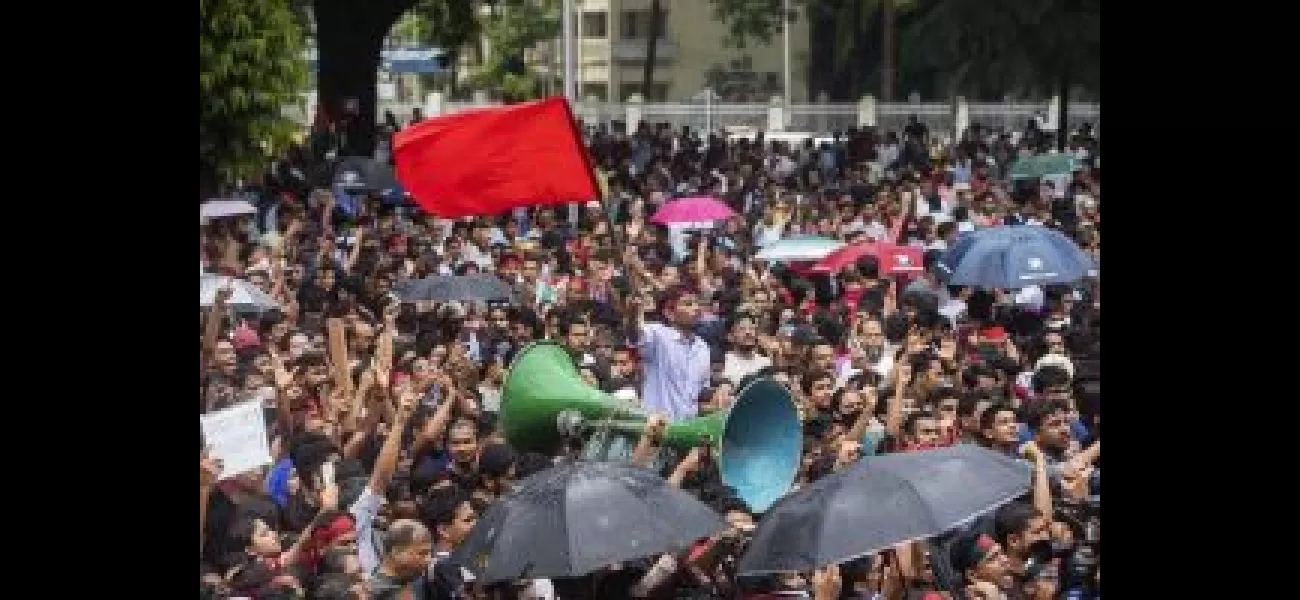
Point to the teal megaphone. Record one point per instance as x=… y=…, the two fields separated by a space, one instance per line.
x=757 y=443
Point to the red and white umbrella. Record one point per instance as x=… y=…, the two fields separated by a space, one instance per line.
x=893 y=259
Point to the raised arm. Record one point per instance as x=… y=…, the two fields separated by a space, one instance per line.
x=386 y=464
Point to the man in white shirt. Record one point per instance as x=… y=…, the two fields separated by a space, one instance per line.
x=742 y=359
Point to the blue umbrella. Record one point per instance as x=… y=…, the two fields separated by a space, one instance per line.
x=1014 y=257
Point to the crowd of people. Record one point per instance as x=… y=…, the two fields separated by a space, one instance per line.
x=381 y=415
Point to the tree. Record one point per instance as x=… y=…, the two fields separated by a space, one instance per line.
x=993 y=47
x=651 y=48
x=350 y=34
x=250 y=67
x=514 y=28
x=448 y=25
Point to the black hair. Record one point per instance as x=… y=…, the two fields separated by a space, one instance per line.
x=239 y=536
x=813 y=377
x=990 y=413
x=895 y=328
x=1012 y=518
x=440 y=506
x=968 y=403
x=1049 y=376
x=1037 y=412
x=909 y=423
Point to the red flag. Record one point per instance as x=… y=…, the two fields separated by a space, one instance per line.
x=487 y=161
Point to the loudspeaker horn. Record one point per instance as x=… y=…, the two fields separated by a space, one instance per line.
x=757 y=443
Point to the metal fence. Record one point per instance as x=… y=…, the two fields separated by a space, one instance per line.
x=940 y=117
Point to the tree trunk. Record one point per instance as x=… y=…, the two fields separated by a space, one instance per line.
x=651 y=48
x=209 y=182
x=1063 y=109
x=349 y=36
x=887 y=51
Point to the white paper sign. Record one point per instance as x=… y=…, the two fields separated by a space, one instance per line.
x=237 y=436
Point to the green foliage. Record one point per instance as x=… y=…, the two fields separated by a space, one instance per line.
x=446 y=24
x=250 y=66
x=516 y=27
x=988 y=45
x=753 y=19
x=983 y=48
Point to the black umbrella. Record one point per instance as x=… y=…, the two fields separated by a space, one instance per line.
x=881 y=501
x=363 y=174
x=576 y=518
x=453 y=288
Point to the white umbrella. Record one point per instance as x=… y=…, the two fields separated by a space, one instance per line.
x=799 y=248
x=215 y=209
x=246 y=296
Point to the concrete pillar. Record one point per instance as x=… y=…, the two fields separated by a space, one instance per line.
x=634 y=112
x=867 y=111
x=434 y=104
x=960 y=117
x=776 y=114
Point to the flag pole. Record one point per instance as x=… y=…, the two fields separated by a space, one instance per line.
x=620 y=244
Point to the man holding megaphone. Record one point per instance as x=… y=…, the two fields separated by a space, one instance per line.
x=675 y=360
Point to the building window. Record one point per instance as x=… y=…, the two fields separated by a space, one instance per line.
x=659 y=91
x=599 y=91
x=771 y=81
x=635 y=24
x=595 y=24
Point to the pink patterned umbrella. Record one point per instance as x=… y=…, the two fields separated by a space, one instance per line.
x=692 y=210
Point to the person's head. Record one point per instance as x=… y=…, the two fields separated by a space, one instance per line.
x=873 y=334
x=496 y=465
x=408 y=548
x=744 y=333
x=529 y=268
x=681 y=307
x=969 y=409
x=922 y=428
x=498 y=319
x=255 y=537
x=998 y=425
x=819 y=387
x=1051 y=381
x=848 y=405
x=623 y=362
x=1050 y=422
x=462 y=442
x=1041 y=580
x=1017 y=526
x=822 y=355
x=450 y=514
x=523 y=327
x=576 y=333
x=979 y=558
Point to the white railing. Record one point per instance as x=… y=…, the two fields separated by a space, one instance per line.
x=944 y=118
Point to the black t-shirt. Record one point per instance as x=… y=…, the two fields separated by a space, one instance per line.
x=383 y=587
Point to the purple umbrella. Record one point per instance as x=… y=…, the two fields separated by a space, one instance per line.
x=697 y=209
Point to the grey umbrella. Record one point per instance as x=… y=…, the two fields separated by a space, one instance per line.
x=881 y=501
x=454 y=288
x=578 y=517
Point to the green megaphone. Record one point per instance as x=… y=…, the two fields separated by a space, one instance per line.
x=757 y=442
